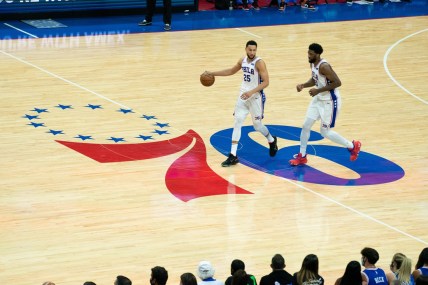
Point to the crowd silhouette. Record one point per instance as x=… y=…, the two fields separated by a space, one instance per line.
x=364 y=272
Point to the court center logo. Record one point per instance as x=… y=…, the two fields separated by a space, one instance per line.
x=370 y=168
x=189 y=176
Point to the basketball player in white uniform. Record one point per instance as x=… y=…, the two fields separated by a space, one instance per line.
x=325 y=105
x=251 y=99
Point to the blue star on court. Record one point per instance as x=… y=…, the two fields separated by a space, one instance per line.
x=144 y=137
x=116 y=140
x=84 y=138
x=54 y=132
x=38 y=110
x=36 y=125
x=63 y=107
x=160 y=125
x=125 y=111
x=93 y=107
x=29 y=117
x=159 y=132
x=147 y=117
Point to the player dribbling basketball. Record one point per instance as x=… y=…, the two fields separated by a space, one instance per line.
x=251 y=99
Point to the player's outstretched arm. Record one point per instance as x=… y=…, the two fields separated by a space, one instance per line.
x=229 y=71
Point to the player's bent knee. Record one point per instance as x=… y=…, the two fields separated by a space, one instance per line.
x=324 y=131
x=258 y=126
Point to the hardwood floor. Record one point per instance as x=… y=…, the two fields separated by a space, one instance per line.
x=68 y=218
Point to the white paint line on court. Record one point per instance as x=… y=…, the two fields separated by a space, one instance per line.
x=385 y=65
x=63 y=79
x=22 y=31
x=244 y=31
x=356 y=211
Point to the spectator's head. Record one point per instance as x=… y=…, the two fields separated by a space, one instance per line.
x=423 y=258
x=277 y=262
x=205 y=270
x=159 y=276
x=188 y=279
x=310 y=263
x=122 y=280
x=240 y=277
x=369 y=255
x=401 y=264
x=236 y=265
x=352 y=272
x=309 y=270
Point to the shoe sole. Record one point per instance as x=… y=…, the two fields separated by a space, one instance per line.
x=228 y=165
x=294 y=164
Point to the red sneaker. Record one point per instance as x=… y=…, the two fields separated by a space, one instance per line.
x=355 y=151
x=298 y=160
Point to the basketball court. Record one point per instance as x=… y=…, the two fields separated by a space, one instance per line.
x=111 y=152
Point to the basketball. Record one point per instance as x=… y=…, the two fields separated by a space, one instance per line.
x=207 y=79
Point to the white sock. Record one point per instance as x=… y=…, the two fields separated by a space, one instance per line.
x=234 y=149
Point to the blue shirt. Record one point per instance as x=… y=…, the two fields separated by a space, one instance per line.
x=376 y=276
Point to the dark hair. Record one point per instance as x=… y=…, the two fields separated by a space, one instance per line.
x=251 y=43
x=423 y=258
x=371 y=254
x=352 y=275
x=422 y=280
x=278 y=262
x=317 y=48
x=240 y=277
x=160 y=275
x=89 y=283
x=188 y=279
x=236 y=265
x=123 y=280
x=309 y=270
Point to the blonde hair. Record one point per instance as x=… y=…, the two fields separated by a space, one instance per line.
x=404 y=267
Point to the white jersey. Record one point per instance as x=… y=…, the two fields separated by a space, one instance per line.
x=321 y=81
x=251 y=75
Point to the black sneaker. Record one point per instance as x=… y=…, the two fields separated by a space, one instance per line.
x=167 y=27
x=273 y=147
x=282 y=6
x=145 y=23
x=231 y=160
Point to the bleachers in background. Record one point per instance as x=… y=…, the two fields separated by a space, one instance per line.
x=31 y=8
